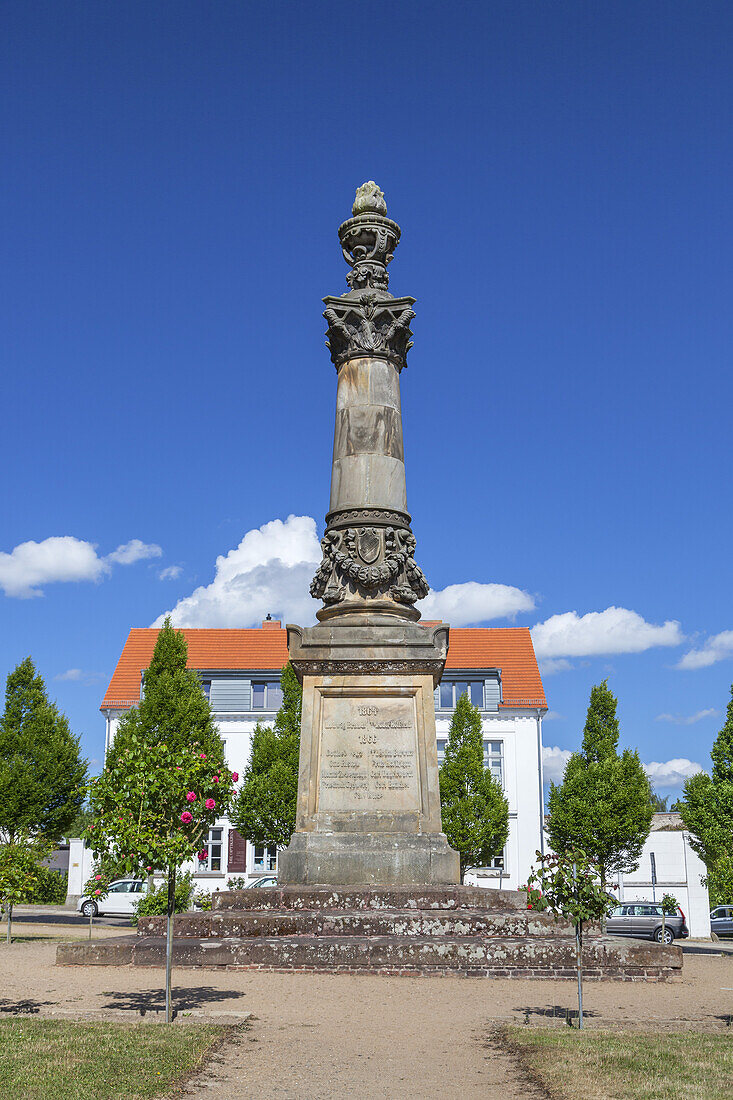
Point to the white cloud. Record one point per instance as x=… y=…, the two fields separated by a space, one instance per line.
x=688 y=719
x=472 y=602
x=170 y=573
x=269 y=571
x=554 y=761
x=61 y=559
x=134 y=550
x=56 y=559
x=551 y=665
x=552 y=716
x=78 y=675
x=671 y=773
x=615 y=630
x=716 y=648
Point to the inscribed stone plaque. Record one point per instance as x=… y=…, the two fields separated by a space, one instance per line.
x=368 y=758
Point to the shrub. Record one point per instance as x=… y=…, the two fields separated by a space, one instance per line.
x=202 y=900
x=155 y=902
x=237 y=882
x=51 y=887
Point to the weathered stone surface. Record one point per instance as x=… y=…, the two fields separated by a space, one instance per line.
x=475 y=956
x=406 y=922
x=368 y=800
x=340 y=898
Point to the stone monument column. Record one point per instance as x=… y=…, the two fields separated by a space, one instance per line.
x=368 y=799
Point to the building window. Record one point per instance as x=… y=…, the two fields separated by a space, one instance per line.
x=265 y=857
x=494 y=759
x=497 y=863
x=451 y=691
x=206 y=688
x=213 y=860
x=266 y=695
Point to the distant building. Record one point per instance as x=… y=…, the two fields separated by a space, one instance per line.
x=240 y=672
x=668 y=865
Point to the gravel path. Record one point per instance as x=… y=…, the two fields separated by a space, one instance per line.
x=321 y=1036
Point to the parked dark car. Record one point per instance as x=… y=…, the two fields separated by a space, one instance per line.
x=644 y=919
x=721 y=920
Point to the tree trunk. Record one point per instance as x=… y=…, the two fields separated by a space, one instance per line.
x=169 y=943
x=10 y=922
x=579 y=964
x=91 y=922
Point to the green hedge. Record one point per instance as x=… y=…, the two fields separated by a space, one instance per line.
x=51 y=889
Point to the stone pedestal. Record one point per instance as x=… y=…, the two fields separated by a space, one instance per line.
x=368 y=798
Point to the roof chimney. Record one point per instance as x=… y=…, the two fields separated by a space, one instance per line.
x=271 y=624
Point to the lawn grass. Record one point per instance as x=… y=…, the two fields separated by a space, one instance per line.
x=43 y=1059
x=627 y=1065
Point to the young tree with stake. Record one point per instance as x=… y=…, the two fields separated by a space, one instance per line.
x=474 y=808
x=165 y=782
x=569 y=886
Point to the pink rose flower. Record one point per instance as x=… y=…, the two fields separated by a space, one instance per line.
x=203 y=854
x=190 y=796
x=97 y=893
x=216 y=778
x=210 y=804
x=97 y=878
x=148 y=868
x=203 y=756
x=186 y=817
x=235 y=776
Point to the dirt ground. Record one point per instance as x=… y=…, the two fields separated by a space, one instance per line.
x=322 y=1036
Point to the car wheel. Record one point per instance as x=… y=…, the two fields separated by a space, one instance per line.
x=89 y=909
x=665 y=935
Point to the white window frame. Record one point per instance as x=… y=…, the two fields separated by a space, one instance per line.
x=452 y=684
x=267 y=863
x=205 y=864
x=266 y=683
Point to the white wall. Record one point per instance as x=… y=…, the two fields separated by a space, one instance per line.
x=679 y=871
x=80 y=869
x=518 y=731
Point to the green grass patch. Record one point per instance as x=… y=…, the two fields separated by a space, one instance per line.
x=40 y=1059
x=627 y=1065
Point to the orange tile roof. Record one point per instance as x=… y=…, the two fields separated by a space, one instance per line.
x=506 y=648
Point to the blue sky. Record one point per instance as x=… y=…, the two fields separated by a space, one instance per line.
x=174 y=176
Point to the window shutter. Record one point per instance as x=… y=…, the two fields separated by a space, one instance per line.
x=237 y=853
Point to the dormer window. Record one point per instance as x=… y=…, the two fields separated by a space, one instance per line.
x=266 y=695
x=452 y=690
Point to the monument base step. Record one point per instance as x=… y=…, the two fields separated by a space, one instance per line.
x=471 y=956
x=355 y=858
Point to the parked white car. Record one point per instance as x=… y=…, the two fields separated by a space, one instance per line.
x=122 y=897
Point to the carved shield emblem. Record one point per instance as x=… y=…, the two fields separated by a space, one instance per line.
x=369 y=544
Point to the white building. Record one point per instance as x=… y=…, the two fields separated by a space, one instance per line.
x=240 y=670
x=668 y=865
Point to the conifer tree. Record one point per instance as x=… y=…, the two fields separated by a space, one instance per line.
x=603 y=805
x=173 y=709
x=474 y=808
x=707 y=811
x=264 y=809
x=42 y=771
